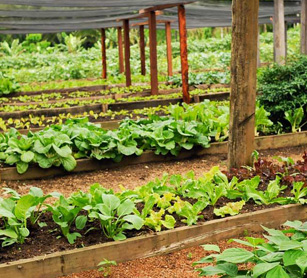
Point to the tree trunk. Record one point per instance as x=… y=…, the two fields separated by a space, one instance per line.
x=243 y=82
x=279 y=32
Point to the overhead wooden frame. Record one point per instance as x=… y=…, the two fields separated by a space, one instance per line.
x=164 y=6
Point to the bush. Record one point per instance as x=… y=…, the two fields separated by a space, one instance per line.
x=283 y=88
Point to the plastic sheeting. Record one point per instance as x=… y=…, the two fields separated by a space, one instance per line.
x=51 y=16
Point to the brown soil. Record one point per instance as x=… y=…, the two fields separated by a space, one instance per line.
x=173 y=265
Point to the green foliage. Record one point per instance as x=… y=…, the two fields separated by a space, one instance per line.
x=284 y=255
x=295 y=118
x=105 y=267
x=283 y=88
x=230 y=208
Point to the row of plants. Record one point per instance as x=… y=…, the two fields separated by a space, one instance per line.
x=279 y=253
x=75 y=101
x=185 y=127
x=165 y=203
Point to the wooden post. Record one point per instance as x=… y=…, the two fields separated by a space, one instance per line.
x=103 y=54
x=142 y=50
x=241 y=142
x=168 y=35
x=120 y=49
x=127 y=52
x=184 y=53
x=153 y=52
x=279 y=32
x=304 y=27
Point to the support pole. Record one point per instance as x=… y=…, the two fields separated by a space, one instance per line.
x=142 y=50
x=184 y=53
x=153 y=52
x=127 y=52
x=120 y=50
x=304 y=28
x=168 y=35
x=103 y=54
x=279 y=32
x=243 y=82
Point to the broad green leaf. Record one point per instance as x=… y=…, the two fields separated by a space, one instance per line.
x=262 y=268
x=277 y=271
x=169 y=222
x=125 y=208
x=135 y=220
x=290 y=256
x=69 y=163
x=64 y=151
x=235 y=255
x=23 y=205
x=302 y=263
x=287 y=245
x=211 y=247
x=27 y=156
x=8 y=233
x=81 y=222
x=22 y=167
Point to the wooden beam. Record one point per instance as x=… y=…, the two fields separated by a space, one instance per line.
x=103 y=54
x=258 y=50
x=127 y=52
x=153 y=53
x=279 y=32
x=164 y=6
x=142 y=50
x=304 y=28
x=168 y=34
x=140 y=15
x=120 y=50
x=184 y=53
x=243 y=82
x=146 y=22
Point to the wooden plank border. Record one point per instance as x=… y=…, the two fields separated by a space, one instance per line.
x=84 y=165
x=74 y=261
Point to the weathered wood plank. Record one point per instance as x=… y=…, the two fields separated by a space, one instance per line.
x=142 y=50
x=120 y=50
x=279 y=32
x=304 y=28
x=168 y=35
x=74 y=261
x=127 y=52
x=103 y=54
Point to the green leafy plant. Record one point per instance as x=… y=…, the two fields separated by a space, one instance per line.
x=282 y=256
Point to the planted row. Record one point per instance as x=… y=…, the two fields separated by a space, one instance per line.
x=160 y=204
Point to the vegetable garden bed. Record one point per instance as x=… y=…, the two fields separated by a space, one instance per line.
x=262 y=143
x=48 y=112
x=66 y=262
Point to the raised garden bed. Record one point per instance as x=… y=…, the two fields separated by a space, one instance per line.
x=66 y=262
x=261 y=143
x=48 y=112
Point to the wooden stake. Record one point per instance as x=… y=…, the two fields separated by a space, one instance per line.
x=103 y=54
x=168 y=35
x=279 y=32
x=304 y=27
x=243 y=82
x=142 y=50
x=120 y=50
x=258 y=50
x=127 y=52
x=184 y=53
x=153 y=52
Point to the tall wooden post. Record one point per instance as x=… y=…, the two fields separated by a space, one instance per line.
x=103 y=54
x=184 y=53
x=168 y=35
x=304 y=28
x=120 y=50
x=243 y=82
x=279 y=32
x=142 y=50
x=127 y=52
x=153 y=52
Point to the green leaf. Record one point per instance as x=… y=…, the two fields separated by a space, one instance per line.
x=230 y=269
x=169 y=222
x=22 y=167
x=12 y=159
x=235 y=255
x=8 y=233
x=125 y=208
x=27 y=156
x=81 y=222
x=277 y=271
x=64 y=151
x=302 y=263
x=23 y=205
x=69 y=163
x=287 y=245
x=290 y=256
x=211 y=247
x=262 y=268
x=136 y=221
x=71 y=237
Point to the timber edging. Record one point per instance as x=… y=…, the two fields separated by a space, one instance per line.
x=74 y=261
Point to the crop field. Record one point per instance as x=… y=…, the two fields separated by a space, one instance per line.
x=102 y=178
